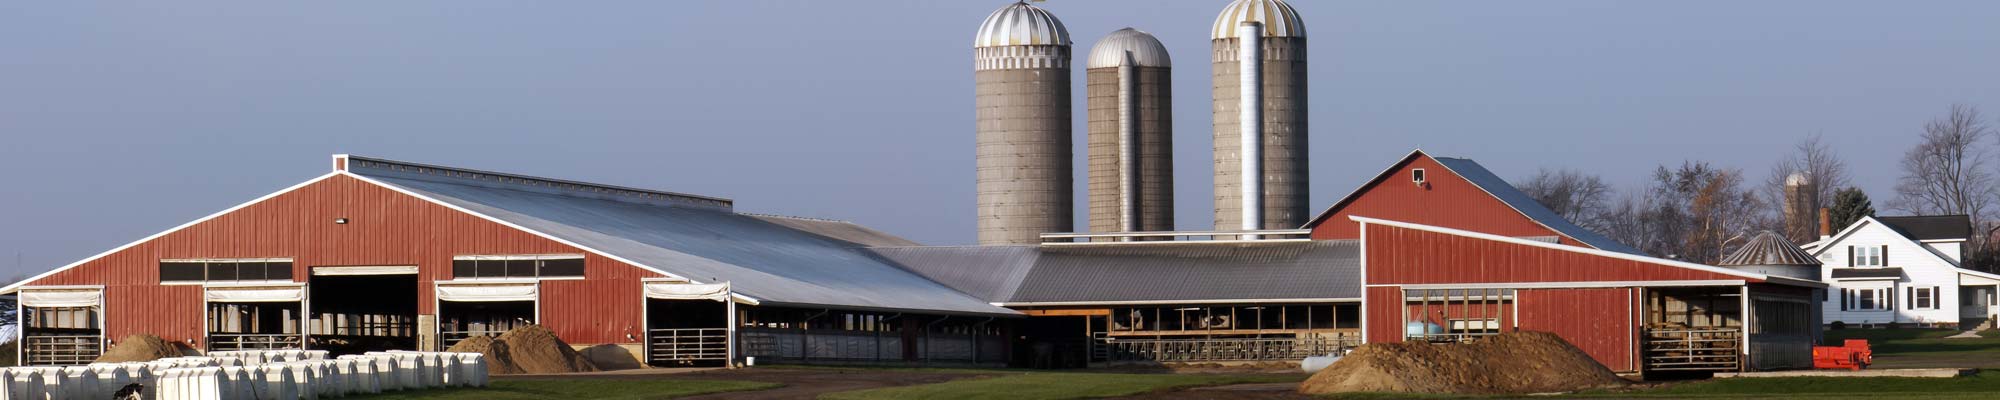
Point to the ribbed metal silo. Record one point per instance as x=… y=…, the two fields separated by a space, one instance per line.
x=1131 y=141
x=1021 y=62
x=1283 y=69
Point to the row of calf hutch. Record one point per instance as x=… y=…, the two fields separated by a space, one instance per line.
x=272 y=374
x=381 y=255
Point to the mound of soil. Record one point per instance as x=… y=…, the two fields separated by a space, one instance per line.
x=536 y=350
x=499 y=361
x=1510 y=363
x=140 y=348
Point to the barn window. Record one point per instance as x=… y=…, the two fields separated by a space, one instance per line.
x=225 y=270
x=517 y=266
x=1417 y=176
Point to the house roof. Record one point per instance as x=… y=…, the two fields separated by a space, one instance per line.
x=771 y=260
x=1143 y=272
x=1769 y=248
x=1864 y=273
x=1930 y=227
x=1493 y=185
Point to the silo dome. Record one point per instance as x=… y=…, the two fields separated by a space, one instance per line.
x=1771 y=254
x=1797 y=179
x=1020 y=24
x=1279 y=19
x=1146 y=51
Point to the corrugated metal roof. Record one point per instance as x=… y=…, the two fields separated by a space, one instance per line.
x=1143 y=272
x=1769 y=248
x=1141 y=49
x=1020 y=24
x=838 y=230
x=771 y=262
x=1930 y=227
x=1527 y=205
x=1279 y=19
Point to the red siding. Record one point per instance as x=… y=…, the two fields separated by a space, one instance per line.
x=1409 y=256
x=1447 y=200
x=1385 y=318
x=385 y=228
x=1597 y=321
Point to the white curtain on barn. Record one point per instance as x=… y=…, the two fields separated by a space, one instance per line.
x=687 y=291
x=487 y=293
x=61 y=297
x=277 y=294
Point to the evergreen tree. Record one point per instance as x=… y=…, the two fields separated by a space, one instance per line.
x=1850 y=205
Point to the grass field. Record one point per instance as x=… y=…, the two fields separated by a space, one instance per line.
x=1925 y=348
x=1057 y=385
x=583 y=389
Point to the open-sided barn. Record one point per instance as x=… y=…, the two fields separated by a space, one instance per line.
x=382 y=254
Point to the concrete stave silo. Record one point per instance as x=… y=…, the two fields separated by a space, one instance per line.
x=1284 y=181
x=1129 y=95
x=1021 y=66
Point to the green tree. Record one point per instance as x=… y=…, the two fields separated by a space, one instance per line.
x=1849 y=205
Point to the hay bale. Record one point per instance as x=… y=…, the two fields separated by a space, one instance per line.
x=537 y=350
x=1510 y=363
x=140 y=347
x=499 y=361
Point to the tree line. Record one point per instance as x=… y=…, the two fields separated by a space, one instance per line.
x=1699 y=211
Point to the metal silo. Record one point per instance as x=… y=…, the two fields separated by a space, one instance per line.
x=1021 y=65
x=1281 y=149
x=1131 y=142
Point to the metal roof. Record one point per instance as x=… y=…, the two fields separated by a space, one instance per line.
x=1500 y=189
x=1142 y=49
x=1930 y=227
x=774 y=263
x=838 y=230
x=1279 y=19
x=1769 y=248
x=1143 y=272
x=1020 y=24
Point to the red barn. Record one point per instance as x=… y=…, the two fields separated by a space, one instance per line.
x=1632 y=313
x=1454 y=193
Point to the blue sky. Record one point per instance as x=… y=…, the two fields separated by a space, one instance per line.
x=121 y=119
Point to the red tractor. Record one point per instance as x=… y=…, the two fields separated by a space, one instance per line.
x=1853 y=355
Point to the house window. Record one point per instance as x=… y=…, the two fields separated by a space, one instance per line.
x=1867 y=299
x=1923 y=298
x=1867 y=256
x=226 y=270
x=517 y=266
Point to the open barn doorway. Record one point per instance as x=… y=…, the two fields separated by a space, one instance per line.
x=471 y=309
x=254 y=317
x=60 y=326
x=361 y=309
x=687 y=325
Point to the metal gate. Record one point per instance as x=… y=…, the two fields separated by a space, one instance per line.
x=62 y=349
x=1694 y=350
x=686 y=345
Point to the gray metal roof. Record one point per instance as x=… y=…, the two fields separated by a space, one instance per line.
x=1769 y=248
x=838 y=230
x=1527 y=205
x=772 y=262
x=1143 y=272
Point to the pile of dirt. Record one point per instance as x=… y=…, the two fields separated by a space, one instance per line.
x=530 y=349
x=1511 y=363
x=140 y=348
x=499 y=361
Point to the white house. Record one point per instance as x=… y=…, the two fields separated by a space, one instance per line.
x=1903 y=270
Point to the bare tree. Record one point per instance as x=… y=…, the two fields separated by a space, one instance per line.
x=1947 y=172
x=1691 y=213
x=1578 y=197
x=1819 y=172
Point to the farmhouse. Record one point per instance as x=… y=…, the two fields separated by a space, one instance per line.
x=1904 y=271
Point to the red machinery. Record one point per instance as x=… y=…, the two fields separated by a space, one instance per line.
x=1853 y=355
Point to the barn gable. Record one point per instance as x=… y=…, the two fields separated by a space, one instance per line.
x=1456 y=193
